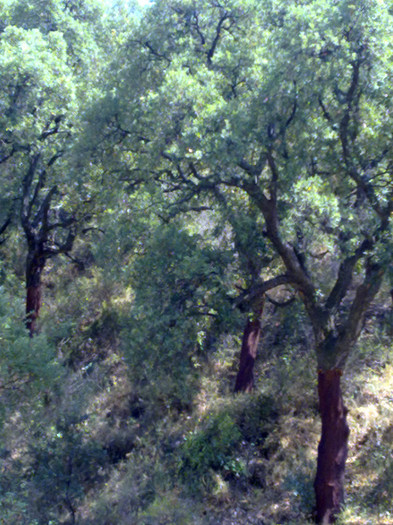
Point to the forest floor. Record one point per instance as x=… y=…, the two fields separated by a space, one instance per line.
x=112 y=443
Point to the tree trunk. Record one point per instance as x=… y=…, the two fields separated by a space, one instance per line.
x=34 y=268
x=248 y=354
x=332 y=449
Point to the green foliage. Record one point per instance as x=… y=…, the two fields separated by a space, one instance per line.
x=167 y=131
x=36 y=83
x=218 y=442
x=211 y=447
x=27 y=366
x=254 y=415
x=177 y=291
x=137 y=486
x=168 y=508
x=301 y=485
x=212 y=106
x=65 y=463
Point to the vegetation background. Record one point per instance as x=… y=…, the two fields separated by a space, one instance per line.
x=181 y=184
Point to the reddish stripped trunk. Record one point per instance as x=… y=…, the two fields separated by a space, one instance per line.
x=248 y=354
x=332 y=449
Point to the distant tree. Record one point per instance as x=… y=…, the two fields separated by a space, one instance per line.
x=289 y=104
x=43 y=73
x=253 y=255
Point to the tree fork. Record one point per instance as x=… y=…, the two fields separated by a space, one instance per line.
x=332 y=448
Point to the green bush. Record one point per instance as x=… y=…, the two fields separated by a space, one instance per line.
x=211 y=448
x=63 y=465
x=254 y=416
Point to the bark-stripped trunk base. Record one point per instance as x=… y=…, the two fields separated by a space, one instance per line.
x=332 y=449
x=248 y=354
x=33 y=305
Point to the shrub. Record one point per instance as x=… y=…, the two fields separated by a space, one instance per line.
x=211 y=448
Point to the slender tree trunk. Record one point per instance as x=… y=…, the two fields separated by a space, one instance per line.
x=332 y=449
x=34 y=268
x=248 y=354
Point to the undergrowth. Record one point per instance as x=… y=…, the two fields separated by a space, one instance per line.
x=105 y=446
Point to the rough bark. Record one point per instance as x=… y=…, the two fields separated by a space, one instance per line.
x=45 y=238
x=332 y=449
x=251 y=335
x=34 y=268
x=33 y=305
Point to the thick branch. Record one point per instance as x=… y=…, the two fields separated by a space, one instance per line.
x=198 y=29
x=47 y=132
x=7 y=156
x=286 y=252
x=293 y=112
x=365 y=293
x=217 y=36
x=26 y=201
x=66 y=246
x=5 y=226
x=351 y=99
x=248 y=296
x=254 y=169
x=274 y=179
x=280 y=304
x=344 y=277
x=42 y=215
x=154 y=52
x=326 y=114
